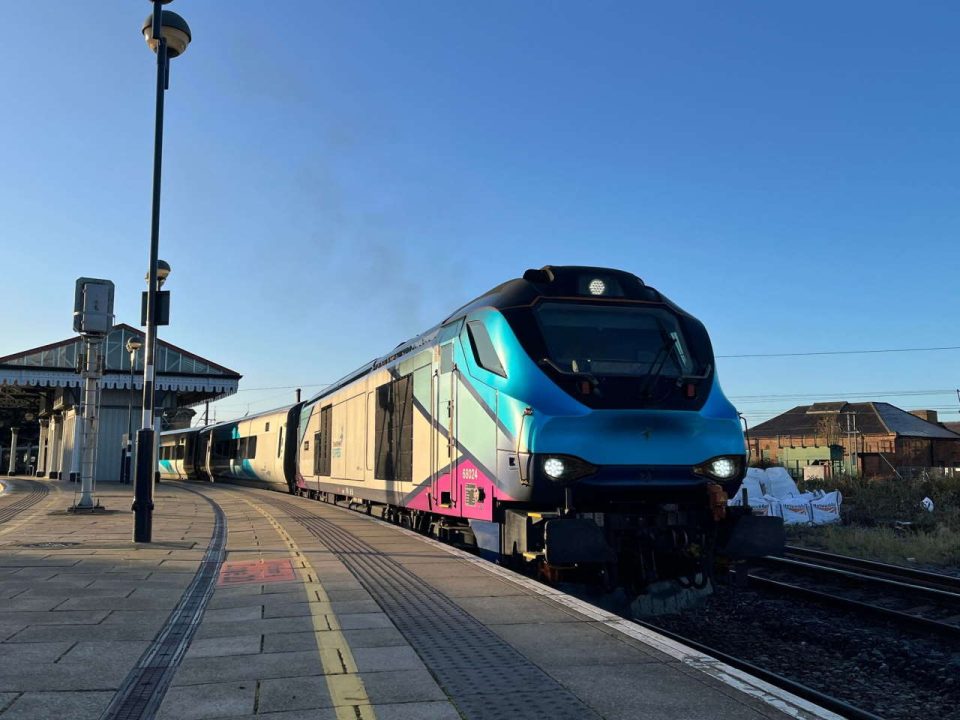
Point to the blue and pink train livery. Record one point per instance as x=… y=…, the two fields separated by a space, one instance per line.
x=570 y=420
x=576 y=409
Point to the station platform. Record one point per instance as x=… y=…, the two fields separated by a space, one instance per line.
x=254 y=603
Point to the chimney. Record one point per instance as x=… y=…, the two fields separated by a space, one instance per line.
x=928 y=415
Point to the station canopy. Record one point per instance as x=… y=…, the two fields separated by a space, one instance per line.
x=28 y=376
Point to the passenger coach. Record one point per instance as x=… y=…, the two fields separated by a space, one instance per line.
x=257 y=449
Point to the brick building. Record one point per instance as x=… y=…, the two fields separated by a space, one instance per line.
x=870 y=438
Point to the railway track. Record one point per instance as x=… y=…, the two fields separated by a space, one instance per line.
x=910 y=598
x=893 y=572
x=37 y=492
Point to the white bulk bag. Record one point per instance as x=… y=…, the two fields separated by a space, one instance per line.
x=826 y=509
x=779 y=483
x=776 y=507
x=795 y=512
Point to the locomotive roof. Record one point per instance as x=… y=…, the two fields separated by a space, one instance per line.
x=559 y=281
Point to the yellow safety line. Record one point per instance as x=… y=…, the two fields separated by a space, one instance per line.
x=347 y=691
x=33 y=511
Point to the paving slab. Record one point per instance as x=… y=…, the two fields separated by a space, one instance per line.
x=73 y=705
x=213 y=700
x=24 y=654
x=228 y=646
x=294 y=693
x=227 y=668
x=417 y=711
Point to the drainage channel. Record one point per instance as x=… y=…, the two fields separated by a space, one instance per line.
x=142 y=691
x=484 y=677
x=38 y=491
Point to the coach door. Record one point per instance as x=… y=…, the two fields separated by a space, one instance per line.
x=444 y=443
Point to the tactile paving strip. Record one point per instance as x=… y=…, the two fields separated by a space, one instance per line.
x=483 y=676
x=38 y=491
x=142 y=691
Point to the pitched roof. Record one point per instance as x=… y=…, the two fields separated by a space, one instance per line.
x=196 y=379
x=869 y=418
x=170 y=359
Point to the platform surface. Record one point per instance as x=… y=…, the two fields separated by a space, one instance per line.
x=254 y=603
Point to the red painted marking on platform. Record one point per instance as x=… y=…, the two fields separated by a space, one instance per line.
x=256 y=571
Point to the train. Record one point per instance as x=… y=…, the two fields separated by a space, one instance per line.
x=569 y=422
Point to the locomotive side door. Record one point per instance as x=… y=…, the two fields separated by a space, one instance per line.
x=444 y=445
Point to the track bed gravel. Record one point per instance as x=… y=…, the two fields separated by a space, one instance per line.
x=897 y=674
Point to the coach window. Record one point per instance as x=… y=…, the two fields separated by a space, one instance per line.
x=251 y=449
x=483 y=350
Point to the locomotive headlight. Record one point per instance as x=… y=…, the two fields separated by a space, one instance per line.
x=564 y=468
x=724 y=467
x=554 y=467
x=597 y=286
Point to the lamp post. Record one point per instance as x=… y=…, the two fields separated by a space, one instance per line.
x=168 y=35
x=133 y=347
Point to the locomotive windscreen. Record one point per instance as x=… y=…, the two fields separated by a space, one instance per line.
x=611 y=340
x=618 y=355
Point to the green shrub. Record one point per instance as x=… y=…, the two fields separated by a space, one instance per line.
x=889 y=500
x=883 y=520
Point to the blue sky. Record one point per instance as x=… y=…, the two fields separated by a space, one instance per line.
x=340 y=175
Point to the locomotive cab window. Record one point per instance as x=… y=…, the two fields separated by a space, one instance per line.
x=615 y=340
x=484 y=352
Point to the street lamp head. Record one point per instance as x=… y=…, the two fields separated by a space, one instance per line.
x=163 y=270
x=174 y=29
x=133 y=344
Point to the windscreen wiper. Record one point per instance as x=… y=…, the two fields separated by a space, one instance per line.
x=659 y=360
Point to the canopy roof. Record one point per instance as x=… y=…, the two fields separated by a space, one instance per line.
x=23 y=375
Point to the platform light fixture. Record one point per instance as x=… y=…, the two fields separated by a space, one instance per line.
x=168 y=35
x=133 y=346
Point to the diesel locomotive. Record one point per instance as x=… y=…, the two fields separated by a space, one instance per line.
x=569 y=421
